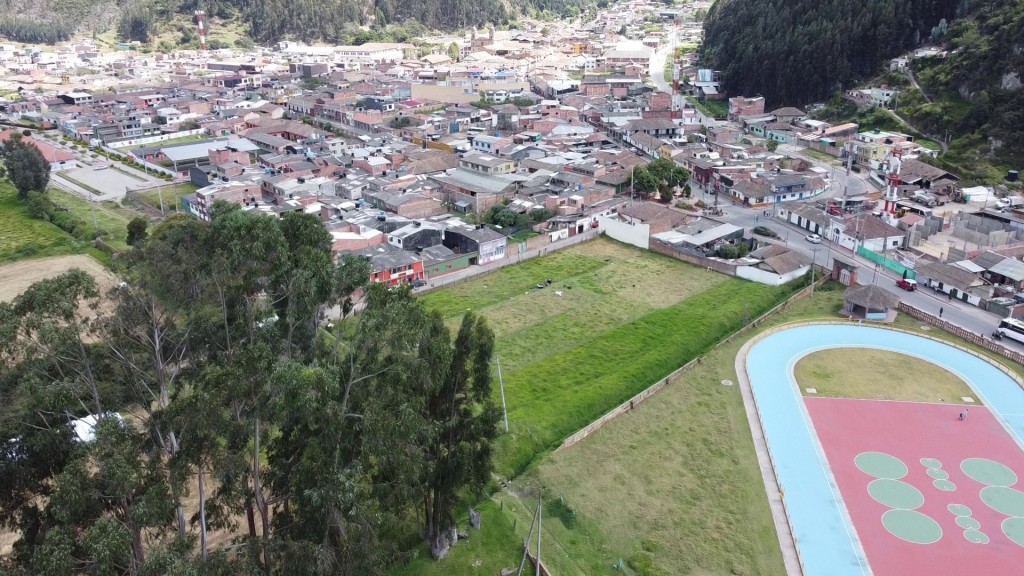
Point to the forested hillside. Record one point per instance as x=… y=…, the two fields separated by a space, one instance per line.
x=800 y=51
x=976 y=90
x=265 y=21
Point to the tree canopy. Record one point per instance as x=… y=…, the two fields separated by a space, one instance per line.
x=26 y=166
x=799 y=51
x=213 y=375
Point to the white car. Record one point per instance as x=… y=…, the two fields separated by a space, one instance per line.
x=813 y=238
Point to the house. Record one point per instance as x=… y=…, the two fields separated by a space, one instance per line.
x=806 y=216
x=470 y=190
x=788 y=114
x=393 y=266
x=488 y=244
x=741 y=106
x=58 y=159
x=658 y=217
x=1002 y=270
x=439 y=260
x=871 y=232
x=486 y=164
x=415 y=237
x=952 y=280
x=927 y=177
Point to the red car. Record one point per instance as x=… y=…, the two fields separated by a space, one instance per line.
x=906 y=284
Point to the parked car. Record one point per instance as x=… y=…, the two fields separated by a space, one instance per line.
x=907 y=284
x=813 y=238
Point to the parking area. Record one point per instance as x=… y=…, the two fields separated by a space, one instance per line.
x=110 y=182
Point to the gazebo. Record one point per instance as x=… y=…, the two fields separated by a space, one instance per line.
x=869 y=302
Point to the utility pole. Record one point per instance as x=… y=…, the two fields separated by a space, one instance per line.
x=540 y=524
x=814 y=260
x=501 y=383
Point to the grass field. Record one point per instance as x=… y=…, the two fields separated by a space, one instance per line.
x=23 y=237
x=820 y=156
x=172 y=195
x=878 y=375
x=626 y=318
x=110 y=216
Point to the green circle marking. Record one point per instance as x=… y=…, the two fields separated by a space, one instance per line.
x=1014 y=530
x=1004 y=500
x=938 y=474
x=912 y=526
x=930 y=463
x=959 y=509
x=895 y=494
x=881 y=465
x=976 y=537
x=988 y=472
x=967 y=523
x=944 y=485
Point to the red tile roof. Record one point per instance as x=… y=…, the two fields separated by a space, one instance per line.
x=49 y=152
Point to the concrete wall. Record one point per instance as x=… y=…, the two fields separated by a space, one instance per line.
x=760 y=276
x=717 y=265
x=638 y=235
x=153 y=139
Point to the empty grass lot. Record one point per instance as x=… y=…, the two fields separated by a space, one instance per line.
x=110 y=217
x=171 y=195
x=878 y=375
x=626 y=318
x=23 y=237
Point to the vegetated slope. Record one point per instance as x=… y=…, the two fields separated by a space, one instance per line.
x=799 y=51
x=266 y=21
x=49 y=21
x=977 y=89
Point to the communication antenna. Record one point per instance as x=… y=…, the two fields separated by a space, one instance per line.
x=200 y=21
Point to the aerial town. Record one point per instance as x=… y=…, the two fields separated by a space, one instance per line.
x=663 y=217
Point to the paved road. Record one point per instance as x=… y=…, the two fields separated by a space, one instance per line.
x=964 y=315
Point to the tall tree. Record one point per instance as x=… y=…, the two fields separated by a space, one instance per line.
x=463 y=419
x=26 y=165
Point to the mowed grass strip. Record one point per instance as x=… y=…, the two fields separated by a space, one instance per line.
x=550 y=399
x=23 y=237
x=878 y=375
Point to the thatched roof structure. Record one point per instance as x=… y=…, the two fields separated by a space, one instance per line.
x=871 y=297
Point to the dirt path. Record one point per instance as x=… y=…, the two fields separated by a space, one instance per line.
x=17 y=276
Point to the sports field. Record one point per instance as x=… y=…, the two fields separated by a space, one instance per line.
x=895 y=486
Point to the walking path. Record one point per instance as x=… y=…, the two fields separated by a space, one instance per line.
x=790 y=558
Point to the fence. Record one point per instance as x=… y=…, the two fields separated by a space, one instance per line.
x=154 y=139
x=511 y=257
x=717 y=265
x=886 y=262
x=676 y=374
x=977 y=339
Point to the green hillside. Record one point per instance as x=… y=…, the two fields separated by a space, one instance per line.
x=263 y=21
x=976 y=91
x=797 y=51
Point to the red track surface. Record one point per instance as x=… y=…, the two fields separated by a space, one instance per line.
x=911 y=431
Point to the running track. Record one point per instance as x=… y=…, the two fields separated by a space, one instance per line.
x=827 y=543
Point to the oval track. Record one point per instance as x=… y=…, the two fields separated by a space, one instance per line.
x=827 y=543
